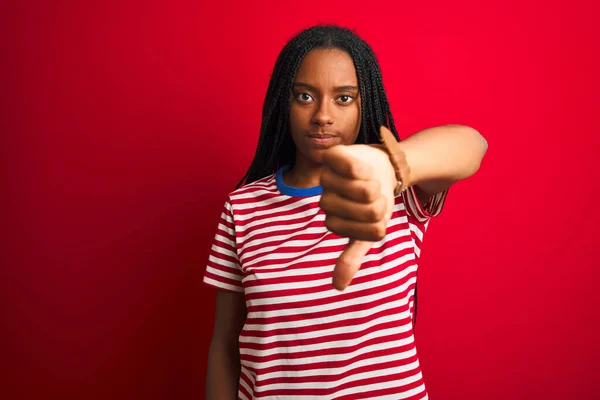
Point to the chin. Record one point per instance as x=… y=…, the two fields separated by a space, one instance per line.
x=313 y=156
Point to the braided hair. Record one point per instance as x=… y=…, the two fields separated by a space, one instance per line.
x=275 y=146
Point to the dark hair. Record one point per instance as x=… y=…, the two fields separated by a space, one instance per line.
x=275 y=146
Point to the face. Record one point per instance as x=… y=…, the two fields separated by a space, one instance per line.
x=324 y=104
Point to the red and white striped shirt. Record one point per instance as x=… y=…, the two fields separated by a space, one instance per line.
x=303 y=339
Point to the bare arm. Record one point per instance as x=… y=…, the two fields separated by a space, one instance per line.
x=223 y=370
x=440 y=156
x=359 y=182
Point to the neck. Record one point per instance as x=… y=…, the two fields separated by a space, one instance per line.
x=305 y=173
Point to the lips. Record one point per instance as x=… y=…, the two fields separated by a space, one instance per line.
x=322 y=135
x=322 y=140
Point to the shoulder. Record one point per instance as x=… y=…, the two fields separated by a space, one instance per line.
x=254 y=192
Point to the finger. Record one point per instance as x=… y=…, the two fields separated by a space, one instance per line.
x=340 y=160
x=352 y=189
x=386 y=135
x=335 y=205
x=370 y=231
x=349 y=263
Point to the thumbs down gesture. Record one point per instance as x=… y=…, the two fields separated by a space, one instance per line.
x=358 y=199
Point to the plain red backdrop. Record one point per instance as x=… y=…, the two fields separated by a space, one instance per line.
x=125 y=125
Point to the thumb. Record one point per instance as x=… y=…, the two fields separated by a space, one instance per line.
x=349 y=262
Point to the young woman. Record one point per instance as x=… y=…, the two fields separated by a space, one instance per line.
x=325 y=202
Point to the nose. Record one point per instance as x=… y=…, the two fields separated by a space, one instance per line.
x=323 y=115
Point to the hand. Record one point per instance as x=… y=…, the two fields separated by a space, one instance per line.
x=358 y=199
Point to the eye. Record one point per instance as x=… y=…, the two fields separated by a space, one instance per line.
x=346 y=99
x=304 y=97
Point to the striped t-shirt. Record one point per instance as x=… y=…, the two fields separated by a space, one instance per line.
x=302 y=338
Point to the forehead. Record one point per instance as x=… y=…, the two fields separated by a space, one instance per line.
x=325 y=67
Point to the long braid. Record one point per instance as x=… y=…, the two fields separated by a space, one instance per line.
x=363 y=133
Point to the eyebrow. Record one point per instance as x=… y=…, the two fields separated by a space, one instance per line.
x=337 y=89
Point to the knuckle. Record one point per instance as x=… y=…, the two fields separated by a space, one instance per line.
x=380 y=207
x=352 y=169
x=379 y=231
x=330 y=224
x=377 y=210
x=373 y=213
x=322 y=202
x=325 y=202
x=335 y=225
x=371 y=191
x=356 y=169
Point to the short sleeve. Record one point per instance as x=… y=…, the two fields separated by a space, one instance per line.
x=419 y=215
x=422 y=213
x=223 y=270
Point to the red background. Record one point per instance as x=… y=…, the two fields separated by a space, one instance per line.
x=115 y=122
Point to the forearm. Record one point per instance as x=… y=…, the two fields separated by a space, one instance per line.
x=443 y=154
x=223 y=371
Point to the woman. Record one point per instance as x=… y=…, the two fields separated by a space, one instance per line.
x=324 y=201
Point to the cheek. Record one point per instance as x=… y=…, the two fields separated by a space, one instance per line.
x=293 y=122
x=300 y=118
x=296 y=124
x=296 y=119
